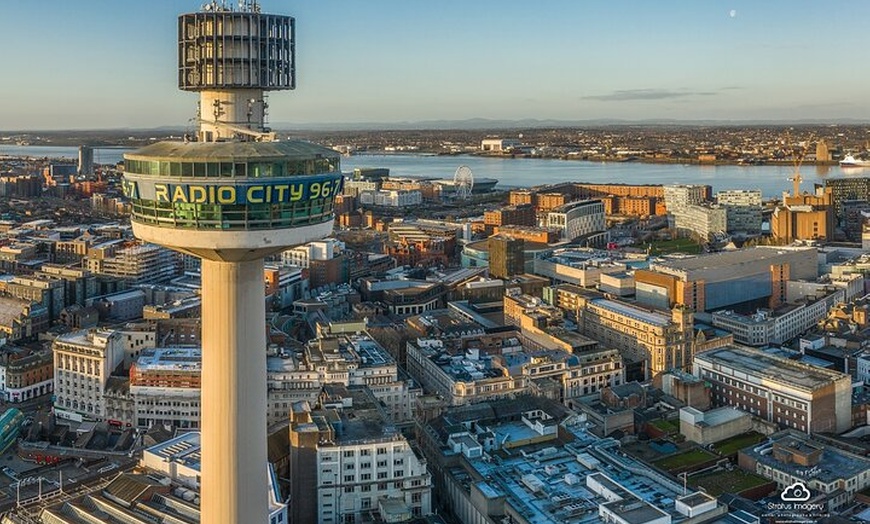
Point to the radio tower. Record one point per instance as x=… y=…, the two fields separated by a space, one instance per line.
x=233 y=195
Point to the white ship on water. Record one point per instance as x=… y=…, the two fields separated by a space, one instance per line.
x=851 y=161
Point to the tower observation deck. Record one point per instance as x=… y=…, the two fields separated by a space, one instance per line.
x=233 y=196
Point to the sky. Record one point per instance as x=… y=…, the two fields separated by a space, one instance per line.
x=112 y=63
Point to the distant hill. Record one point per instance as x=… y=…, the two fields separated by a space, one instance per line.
x=485 y=123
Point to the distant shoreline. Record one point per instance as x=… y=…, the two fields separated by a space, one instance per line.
x=603 y=160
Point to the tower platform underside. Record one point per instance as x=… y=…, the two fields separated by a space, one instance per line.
x=231 y=246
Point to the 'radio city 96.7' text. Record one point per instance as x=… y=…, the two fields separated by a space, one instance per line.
x=273 y=193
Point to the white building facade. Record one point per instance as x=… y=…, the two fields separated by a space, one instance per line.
x=83 y=362
x=301 y=256
x=391 y=198
x=743 y=209
x=578 y=219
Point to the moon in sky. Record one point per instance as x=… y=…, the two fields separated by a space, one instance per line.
x=732 y=13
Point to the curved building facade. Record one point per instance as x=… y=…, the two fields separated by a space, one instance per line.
x=232 y=200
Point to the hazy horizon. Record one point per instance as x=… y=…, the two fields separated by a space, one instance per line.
x=469 y=124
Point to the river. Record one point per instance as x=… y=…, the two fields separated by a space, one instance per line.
x=523 y=172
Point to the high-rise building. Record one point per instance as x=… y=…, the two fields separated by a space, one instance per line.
x=86 y=160
x=232 y=197
x=705 y=221
x=743 y=210
x=689 y=210
x=506 y=256
x=680 y=195
x=843 y=189
x=855 y=214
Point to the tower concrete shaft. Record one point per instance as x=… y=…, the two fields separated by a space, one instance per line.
x=234 y=460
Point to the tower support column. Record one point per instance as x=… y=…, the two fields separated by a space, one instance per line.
x=234 y=487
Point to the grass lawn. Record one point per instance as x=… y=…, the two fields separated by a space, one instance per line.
x=734 y=444
x=720 y=482
x=668 y=426
x=678 y=245
x=685 y=459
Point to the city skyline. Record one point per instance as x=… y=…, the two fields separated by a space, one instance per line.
x=105 y=66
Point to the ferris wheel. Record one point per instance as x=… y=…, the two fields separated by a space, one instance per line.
x=463 y=181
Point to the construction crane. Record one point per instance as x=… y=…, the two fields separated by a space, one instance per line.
x=798 y=154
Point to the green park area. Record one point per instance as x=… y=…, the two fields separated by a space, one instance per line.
x=668 y=426
x=734 y=444
x=719 y=482
x=677 y=245
x=684 y=460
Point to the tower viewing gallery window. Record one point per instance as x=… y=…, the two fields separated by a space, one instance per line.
x=259 y=169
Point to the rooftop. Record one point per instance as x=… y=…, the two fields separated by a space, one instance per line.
x=546 y=482
x=634 y=312
x=462 y=368
x=833 y=465
x=771 y=368
x=363 y=421
x=230 y=151
x=10 y=308
x=723 y=415
x=371 y=353
x=184 y=449
x=635 y=511
x=90 y=338
x=728 y=258
x=170 y=359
